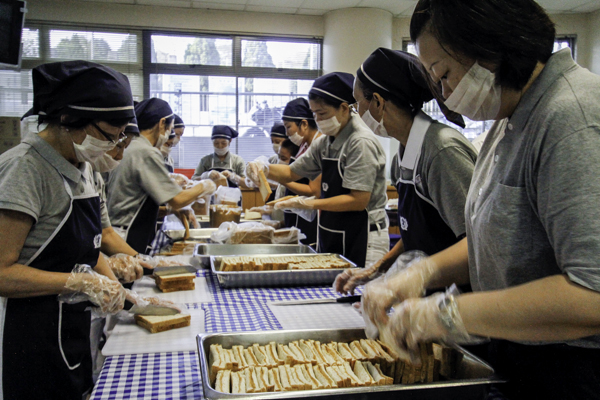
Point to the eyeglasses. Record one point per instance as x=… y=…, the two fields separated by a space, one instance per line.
x=122 y=135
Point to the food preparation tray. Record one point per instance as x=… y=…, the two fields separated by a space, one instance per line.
x=195 y=234
x=310 y=277
x=473 y=376
x=204 y=251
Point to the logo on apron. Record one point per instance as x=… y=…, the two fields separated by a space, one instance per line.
x=97 y=241
x=403 y=224
x=325 y=186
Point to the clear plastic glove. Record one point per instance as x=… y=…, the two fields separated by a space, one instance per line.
x=189 y=214
x=408 y=280
x=296 y=203
x=156 y=261
x=347 y=281
x=263 y=210
x=434 y=318
x=155 y=301
x=252 y=171
x=208 y=187
x=217 y=177
x=125 y=267
x=233 y=177
x=88 y=285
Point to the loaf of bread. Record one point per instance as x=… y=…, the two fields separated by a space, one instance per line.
x=286 y=236
x=161 y=323
x=257 y=234
x=220 y=213
x=309 y=364
x=276 y=263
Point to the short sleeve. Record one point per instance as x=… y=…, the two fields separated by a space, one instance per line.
x=448 y=179
x=200 y=169
x=308 y=165
x=240 y=166
x=22 y=186
x=155 y=179
x=363 y=161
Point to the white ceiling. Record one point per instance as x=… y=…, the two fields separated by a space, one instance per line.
x=400 y=8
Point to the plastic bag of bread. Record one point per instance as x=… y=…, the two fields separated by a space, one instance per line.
x=200 y=206
x=227 y=196
x=180 y=179
x=288 y=236
x=220 y=213
x=253 y=233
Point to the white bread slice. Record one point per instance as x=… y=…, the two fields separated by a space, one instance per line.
x=388 y=363
x=297 y=353
x=223 y=381
x=257 y=376
x=260 y=356
x=372 y=354
x=358 y=351
x=269 y=360
x=361 y=372
x=238 y=382
x=324 y=377
x=307 y=350
x=354 y=380
x=387 y=380
x=301 y=375
x=377 y=377
x=238 y=352
x=175 y=278
x=347 y=354
x=335 y=376
x=284 y=378
x=162 y=323
x=332 y=349
x=284 y=354
x=311 y=375
x=214 y=361
x=294 y=381
x=341 y=371
x=329 y=358
x=272 y=351
x=317 y=351
x=250 y=357
x=274 y=379
x=235 y=363
x=264 y=372
x=250 y=380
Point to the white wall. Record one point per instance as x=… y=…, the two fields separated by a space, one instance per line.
x=594 y=42
x=173 y=18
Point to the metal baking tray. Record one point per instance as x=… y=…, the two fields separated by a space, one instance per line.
x=474 y=376
x=204 y=251
x=195 y=234
x=312 y=277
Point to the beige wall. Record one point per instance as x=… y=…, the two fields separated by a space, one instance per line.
x=106 y=14
x=594 y=42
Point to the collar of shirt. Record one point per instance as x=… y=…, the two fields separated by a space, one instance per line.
x=415 y=141
x=345 y=133
x=48 y=152
x=218 y=160
x=143 y=140
x=556 y=66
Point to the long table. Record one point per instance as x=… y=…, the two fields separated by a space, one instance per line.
x=176 y=375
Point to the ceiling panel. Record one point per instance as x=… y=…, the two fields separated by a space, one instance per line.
x=396 y=7
x=329 y=4
x=267 y=9
x=276 y=3
x=310 y=11
x=165 y=3
x=589 y=7
x=218 y=6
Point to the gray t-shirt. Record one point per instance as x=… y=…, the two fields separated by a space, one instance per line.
x=362 y=161
x=532 y=210
x=101 y=189
x=140 y=174
x=31 y=182
x=231 y=161
x=444 y=169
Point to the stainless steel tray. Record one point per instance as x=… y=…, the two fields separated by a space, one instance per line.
x=312 y=277
x=195 y=234
x=204 y=251
x=474 y=376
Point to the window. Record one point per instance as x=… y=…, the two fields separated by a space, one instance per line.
x=565 y=41
x=242 y=82
x=120 y=50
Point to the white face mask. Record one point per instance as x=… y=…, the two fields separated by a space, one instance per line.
x=162 y=139
x=276 y=147
x=330 y=126
x=91 y=149
x=296 y=139
x=283 y=162
x=376 y=127
x=176 y=141
x=165 y=150
x=476 y=96
x=222 y=152
x=105 y=163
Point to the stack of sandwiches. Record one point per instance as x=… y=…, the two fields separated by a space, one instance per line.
x=309 y=364
x=175 y=282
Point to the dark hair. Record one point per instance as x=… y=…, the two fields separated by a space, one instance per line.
x=312 y=124
x=368 y=90
x=290 y=146
x=145 y=125
x=512 y=34
x=327 y=100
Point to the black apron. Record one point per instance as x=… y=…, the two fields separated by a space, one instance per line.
x=46 y=344
x=169 y=168
x=218 y=169
x=142 y=228
x=421 y=226
x=346 y=232
x=309 y=228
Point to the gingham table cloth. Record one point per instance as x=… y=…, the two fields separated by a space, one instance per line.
x=177 y=375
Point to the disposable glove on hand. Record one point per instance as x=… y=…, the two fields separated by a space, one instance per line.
x=208 y=187
x=233 y=177
x=125 y=267
x=296 y=203
x=88 y=285
x=347 y=281
x=263 y=210
x=434 y=318
x=252 y=171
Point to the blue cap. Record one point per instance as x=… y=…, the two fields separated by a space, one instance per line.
x=278 y=130
x=223 y=132
x=132 y=127
x=149 y=112
x=297 y=109
x=85 y=89
x=178 y=123
x=336 y=86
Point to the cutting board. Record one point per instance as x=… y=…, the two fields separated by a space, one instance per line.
x=129 y=338
x=317 y=316
x=147 y=287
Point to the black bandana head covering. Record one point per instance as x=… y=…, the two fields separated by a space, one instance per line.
x=178 y=122
x=336 y=86
x=278 y=130
x=223 y=132
x=297 y=109
x=85 y=89
x=401 y=75
x=149 y=112
x=132 y=127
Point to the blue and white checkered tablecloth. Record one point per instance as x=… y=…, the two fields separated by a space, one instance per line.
x=177 y=375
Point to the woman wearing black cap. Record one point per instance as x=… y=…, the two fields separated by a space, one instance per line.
x=165 y=150
x=532 y=209
x=352 y=221
x=222 y=160
x=141 y=183
x=277 y=137
x=49 y=222
x=435 y=162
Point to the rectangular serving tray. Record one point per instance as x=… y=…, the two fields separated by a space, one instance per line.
x=204 y=251
x=474 y=376
x=311 y=277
